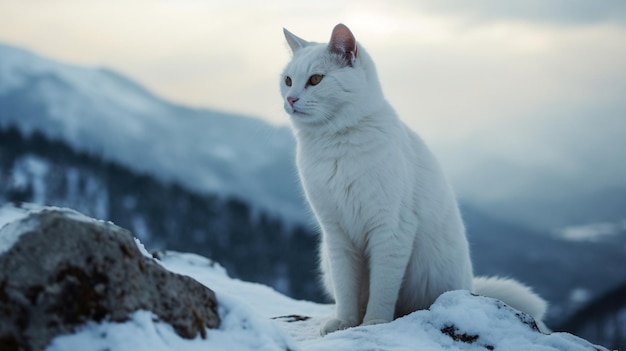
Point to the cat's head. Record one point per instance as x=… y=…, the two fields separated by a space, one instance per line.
x=331 y=86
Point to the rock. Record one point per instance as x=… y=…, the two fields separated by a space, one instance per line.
x=61 y=270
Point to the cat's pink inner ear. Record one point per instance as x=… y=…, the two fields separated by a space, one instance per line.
x=342 y=42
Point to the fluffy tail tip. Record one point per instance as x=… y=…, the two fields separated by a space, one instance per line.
x=514 y=294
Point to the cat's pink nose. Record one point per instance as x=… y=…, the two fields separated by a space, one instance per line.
x=291 y=100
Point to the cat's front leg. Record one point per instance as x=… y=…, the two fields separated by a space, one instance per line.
x=341 y=261
x=389 y=255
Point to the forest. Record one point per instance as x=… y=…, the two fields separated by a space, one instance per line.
x=252 y=244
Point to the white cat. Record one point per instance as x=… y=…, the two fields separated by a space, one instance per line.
x=392 y=235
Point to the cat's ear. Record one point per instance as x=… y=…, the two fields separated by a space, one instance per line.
x=343 y=43
x=295 y=43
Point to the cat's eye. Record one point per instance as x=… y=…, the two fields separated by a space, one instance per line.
x=315 y=79
x=288 y=81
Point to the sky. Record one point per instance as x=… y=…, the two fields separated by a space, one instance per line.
x=531 y=83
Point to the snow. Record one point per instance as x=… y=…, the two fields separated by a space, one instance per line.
x=10 y=213
x=144 y=332
x=242 y=326
x=592 y=232
x=9 y=217
x=12 y=228
x=12 y=231
x=249 y=314
x=256 y=317
x=142 y=248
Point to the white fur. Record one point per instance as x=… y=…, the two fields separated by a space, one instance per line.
x=392 y=235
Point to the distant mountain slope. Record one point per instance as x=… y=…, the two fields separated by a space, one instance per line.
x=566 y=273
x=163 y=215
x=101 y=112
x=551 y=212
x=34 y=169
x=602 y=320
x=207 y=153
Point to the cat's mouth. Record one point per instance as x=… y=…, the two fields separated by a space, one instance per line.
x=296 y=112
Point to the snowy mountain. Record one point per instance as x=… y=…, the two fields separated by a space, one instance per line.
x=602 y=319
x=255 y=317
x=66 y=117
x=567 y=273
x=34 y=169
x=552 y=211
x=100 y=111
x=163 y=215
x=103 y=113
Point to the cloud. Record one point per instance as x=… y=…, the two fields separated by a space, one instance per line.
x=564 y=12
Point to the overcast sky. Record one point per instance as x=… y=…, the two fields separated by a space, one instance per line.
x=508 y=78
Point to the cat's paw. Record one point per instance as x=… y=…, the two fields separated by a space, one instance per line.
x=335 y=324
x=374 y=322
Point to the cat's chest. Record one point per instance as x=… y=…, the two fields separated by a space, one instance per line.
x=332 y=164
x=338 y=178
x=332 y=174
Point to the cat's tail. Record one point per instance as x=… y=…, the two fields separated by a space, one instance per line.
x=514 y=294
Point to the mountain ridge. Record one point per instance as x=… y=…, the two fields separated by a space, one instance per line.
x=102 y=112
x=214 y=153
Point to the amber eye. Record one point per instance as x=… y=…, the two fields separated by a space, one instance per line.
x=315 y=79
x=288 y=81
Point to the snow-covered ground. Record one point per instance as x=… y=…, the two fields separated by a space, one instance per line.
x=256 y=317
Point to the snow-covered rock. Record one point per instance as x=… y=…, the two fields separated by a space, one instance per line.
x=255 y=317
x=60 y=269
